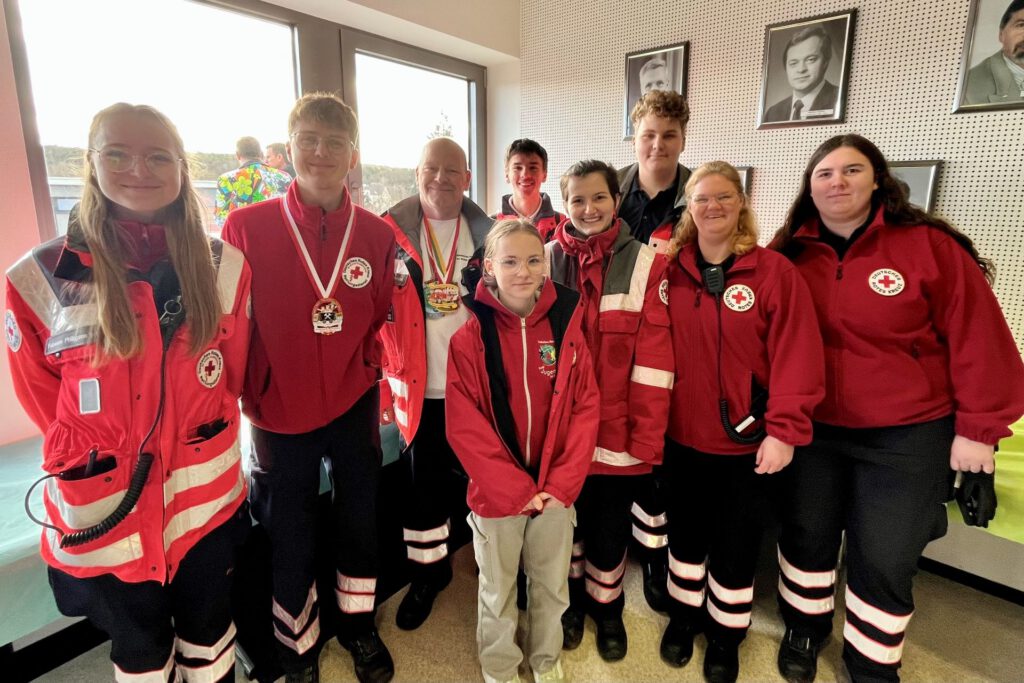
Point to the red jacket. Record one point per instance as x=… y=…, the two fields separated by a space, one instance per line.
x=195 y=483
x=297 y=380
x=938 y=346
x=404 y=334
x=555 y=417
x=546 y=219
x=769 y=333
x=622 y=283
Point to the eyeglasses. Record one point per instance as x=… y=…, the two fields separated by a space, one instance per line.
x=308 y=142
x=511 y=264
x=724 y=199
x=118 y=161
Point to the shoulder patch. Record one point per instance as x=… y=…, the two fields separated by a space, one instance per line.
x=663 y=291
x=12 y=331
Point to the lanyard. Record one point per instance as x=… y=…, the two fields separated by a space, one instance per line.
x=436 y=254
x=314 y=277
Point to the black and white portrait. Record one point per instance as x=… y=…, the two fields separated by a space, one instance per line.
x=662 y=68
x=806 y=71
x=920 y=178
x=992 y=62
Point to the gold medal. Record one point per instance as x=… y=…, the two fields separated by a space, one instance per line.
x=327 y=316
x=441 y=298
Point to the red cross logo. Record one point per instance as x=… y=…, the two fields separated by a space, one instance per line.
x=739 y=298
x=887 y=281
x=356 y=272
x=210 y=367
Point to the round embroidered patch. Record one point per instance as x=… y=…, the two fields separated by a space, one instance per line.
x=12 y=331
x=887 y=282
x=357 y=272
x=663 y=292
x=739 y=298
x=210 y=368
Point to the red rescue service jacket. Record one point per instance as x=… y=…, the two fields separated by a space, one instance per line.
x=196 y=481
x=566 y=431
x=298 y=380
x=912 y=332
x=769 y=335
x=404 y=333
x=546 y=218
x=627 y=329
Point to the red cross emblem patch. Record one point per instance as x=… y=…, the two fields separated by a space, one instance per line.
x=663 y=292
x=739 y=298
x=12 y=331
x=356 y=272
x=887 y=282
x=210 y=368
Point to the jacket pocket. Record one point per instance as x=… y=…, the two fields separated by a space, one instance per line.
x=84 y=496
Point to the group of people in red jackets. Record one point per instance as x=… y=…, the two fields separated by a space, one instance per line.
x=636 y=370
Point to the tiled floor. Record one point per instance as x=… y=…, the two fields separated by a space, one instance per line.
x=958 y=634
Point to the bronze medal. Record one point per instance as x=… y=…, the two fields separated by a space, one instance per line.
x=327 y=316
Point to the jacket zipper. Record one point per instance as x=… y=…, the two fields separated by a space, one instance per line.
x=319 y=340
x=526 y=390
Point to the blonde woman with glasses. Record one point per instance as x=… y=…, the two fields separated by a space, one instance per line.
x=127 y=341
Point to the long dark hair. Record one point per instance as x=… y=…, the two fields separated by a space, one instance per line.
x=890 y=195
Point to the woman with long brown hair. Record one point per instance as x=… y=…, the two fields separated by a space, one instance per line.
x=923 y=377
x=127 y=341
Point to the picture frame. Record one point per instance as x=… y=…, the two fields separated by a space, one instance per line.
x=922 y=177
x=746 y=176
x=810 y=59
x=994 y=37
x=660 y=68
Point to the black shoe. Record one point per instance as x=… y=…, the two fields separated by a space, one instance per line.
x=611 y=639
x=417 y=603
x=677 y=643
x=572 y=628
x=798 y=657
x=311 y=674
x=721 y=662
x=371 y=658
x=656 y=584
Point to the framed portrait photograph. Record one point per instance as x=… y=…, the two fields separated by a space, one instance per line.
x=992 y=61
x=806 y=71
x=921 y=178
x=746 y=174
x=663 y=68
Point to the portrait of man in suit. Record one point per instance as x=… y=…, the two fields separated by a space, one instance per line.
x=805 y=71
x=998 y=78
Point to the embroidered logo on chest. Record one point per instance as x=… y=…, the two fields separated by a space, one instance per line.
x=548 y=358
x=357 y=272
x=210 y=368
x=886 y=281
x=663 y=292
x=12 y=331
x=739 y=298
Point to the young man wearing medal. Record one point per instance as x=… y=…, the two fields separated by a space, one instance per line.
x=438 y=232
x=322 y=288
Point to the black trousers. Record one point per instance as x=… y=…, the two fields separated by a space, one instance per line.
x=437 y=480
x=155 y=628
x=717 y=505
x=285 y=489
x=650 y=520
x=887 y=489
x=600 y=541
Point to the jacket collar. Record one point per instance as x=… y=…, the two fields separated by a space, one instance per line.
x=308 y=217
x=546 y=210
x=408 y=216
x=811 y=230
x=629 y=174
x=608 y=242
x=75 y=261
x=487 y=295
x=687 y=259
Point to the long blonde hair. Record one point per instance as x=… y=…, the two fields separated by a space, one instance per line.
x=118 y=334
x=743 y=239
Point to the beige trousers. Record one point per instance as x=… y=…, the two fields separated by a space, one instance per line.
x=544 y=543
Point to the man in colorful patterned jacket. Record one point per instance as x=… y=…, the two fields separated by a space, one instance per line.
x=252 y=182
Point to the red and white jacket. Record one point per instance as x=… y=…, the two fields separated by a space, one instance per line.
x=553 y=396
x=624 y=296
x=298 y=380
x=912 y=332
x=196 y=482
x=404 y=333
x=546 y=219
x=769 y=334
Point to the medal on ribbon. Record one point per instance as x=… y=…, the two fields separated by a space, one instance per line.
x=440 y=294
x=327 y=314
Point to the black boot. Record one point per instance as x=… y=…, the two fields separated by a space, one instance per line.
x=417 y=603
x=572 y=628
x=721 y=662
x=798 y=657
x=371 y=658
x=611 y=639
x=656 y=583
x=677 y=643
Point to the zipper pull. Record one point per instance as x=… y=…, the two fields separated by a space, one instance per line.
x=696 y=302
x=839 y=272
x=323 y=225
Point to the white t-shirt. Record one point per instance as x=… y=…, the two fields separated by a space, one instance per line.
x=440 y=330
